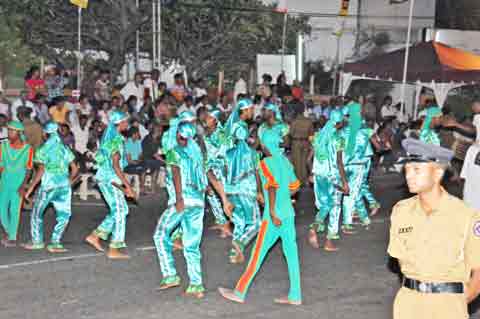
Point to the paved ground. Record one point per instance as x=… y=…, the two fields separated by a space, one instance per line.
x=352 y=283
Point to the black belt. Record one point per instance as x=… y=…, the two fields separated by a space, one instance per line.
x=432 y=287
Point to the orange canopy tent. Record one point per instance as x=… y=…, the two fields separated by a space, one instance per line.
x=431 y=64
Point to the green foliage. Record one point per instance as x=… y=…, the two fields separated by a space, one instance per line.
x=14 y=55
x=204 y=35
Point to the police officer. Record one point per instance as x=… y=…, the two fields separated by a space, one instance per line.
x=436 y=239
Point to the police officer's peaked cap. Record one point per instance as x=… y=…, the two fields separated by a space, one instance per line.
x=418 y=151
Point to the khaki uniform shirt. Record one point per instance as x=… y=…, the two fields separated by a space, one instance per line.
x=441 y=247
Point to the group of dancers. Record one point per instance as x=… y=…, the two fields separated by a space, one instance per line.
x=223 y=170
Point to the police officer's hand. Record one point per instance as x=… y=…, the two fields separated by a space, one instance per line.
x=180 y=205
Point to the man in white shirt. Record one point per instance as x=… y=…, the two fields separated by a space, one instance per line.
x=187 y=106
x=471 y=165
x=22 y=102
x=388 y=111
x=81 y=132
x=136 y=89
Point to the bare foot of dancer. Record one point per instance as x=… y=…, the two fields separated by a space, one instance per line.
x=285 y=301
x=329 y=246
x=94 y=241
x=230 y=295
x=115 y=253
x=313 y=239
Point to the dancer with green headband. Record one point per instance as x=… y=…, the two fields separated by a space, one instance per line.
x=114 y=186
x=278 y=184
x=356 y=167
x=242 y=181
x=16 y=163
x=186 y=186
x=216 y=144
x=53 y=160
x=329 y=180
x=432 y=120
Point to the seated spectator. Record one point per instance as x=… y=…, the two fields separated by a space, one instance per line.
x=81 y=134
x=201 y=117
x=4 y=105
x=143 y=131
x=89 y=158
x=59 y=112
x=132 y=103
x=84 y=107
x=41 y=109
x=187 y=105
x=67 y=136
x=133 y=148
x=20 y=104
x=104 y=112
x=152 y=155
x=3 y=128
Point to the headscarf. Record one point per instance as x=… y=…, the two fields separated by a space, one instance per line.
x=433 y=111
x=325 y=135
x=216 y=114
x=111 y=131
x=275 y=109
x=51 y=128
x=271 y=139
x=169 y=139
x=111 y=135
x=235 y=116
x=354 y=125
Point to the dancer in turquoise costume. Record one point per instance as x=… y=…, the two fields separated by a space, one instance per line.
x=242 y=181
x=216 y=144
x=273 y=120
x=329 y=179
x=114 y=186
x=16 y=163
x=358 y=154
x=431 y=121
x=53 y=160
x=278 y=184
x=186 y=186
x=169 y=141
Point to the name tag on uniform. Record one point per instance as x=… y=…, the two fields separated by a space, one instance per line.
x=405 y=230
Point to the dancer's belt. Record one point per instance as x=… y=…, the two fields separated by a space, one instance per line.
x=432 y=287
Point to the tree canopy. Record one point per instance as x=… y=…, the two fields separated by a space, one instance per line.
x=204 y=35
